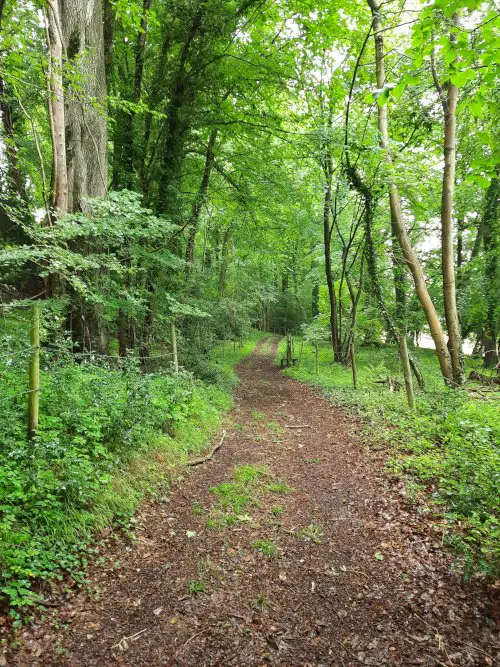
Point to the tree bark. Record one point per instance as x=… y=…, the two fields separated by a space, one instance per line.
x=182 y=95
x=225 y=259
x=127 y=171
x=449 y=102
x=397 y=223
x=492 y=275
x=76 y=32
x=16 y=180
x=327 y=237
x=85 y=105
x=200 y=199
x=108 y=36
x=59 y=182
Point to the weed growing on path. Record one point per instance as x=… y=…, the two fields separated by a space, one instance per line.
x=311 y=533
x=274 y=426
x=197 y=509
x=261 y=602
x=196 y=586
x=266 y=547
x=279 y=487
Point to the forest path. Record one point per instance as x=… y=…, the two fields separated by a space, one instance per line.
x=338 y=571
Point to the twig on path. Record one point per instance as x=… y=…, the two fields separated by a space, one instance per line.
x=478 y=648
x=438 y=636
x=204 y=459
x=347 y=650
x=298 y=426
x=176 y=657
x=123 y=641
x=238 y=616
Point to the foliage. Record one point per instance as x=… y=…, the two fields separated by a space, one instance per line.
x=224 y=128
x=108 y=433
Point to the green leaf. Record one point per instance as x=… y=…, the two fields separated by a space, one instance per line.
x=383 y=97
x=399 y=90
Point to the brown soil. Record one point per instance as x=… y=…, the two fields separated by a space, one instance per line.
x=373 y=586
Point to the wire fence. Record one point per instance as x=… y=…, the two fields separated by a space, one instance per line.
x=20 y=365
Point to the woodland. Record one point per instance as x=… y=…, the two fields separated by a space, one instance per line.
x=180 y=179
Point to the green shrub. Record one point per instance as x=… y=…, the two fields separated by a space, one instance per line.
x=106 y=436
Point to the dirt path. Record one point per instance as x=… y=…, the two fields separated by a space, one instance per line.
x=338 y=571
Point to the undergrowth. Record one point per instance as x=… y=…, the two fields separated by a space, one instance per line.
x=448 y=450
x=107 y=437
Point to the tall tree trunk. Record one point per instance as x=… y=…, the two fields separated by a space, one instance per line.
x=315 y=299
x=16 y=180
x=491 y=233
x=78 y=25
x=398 y=274
x=108 y=36
x=397 y=223
x=225 y=259
x=59 y=183
x=85 y=107
x=200 y=199
x=182 y=94
x=128 y=168
x=327 y=241
x=449 y=101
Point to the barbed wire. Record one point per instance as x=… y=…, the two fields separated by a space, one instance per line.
x=62 y=350
x=96 y=355
x=6 y=399
x=16 y=352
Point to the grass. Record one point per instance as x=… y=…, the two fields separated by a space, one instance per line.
x=261 y=602
x=242 y=492
x=279 y=487
x=311 y=533
x=196 y=586
x=266 y=548
x=249 y=485
x=197 y=509
x=447 y=450
x=274 y=426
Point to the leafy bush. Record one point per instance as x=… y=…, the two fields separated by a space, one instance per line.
x=92 y=420
x=107 y=434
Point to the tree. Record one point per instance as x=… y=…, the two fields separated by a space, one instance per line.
x=449 y=99
x=398 y=226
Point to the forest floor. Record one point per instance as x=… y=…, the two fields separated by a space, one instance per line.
x=290 y=547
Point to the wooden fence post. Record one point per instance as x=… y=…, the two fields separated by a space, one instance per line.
x=173 y=343
x=353 y=365
x=34 y=372
x=403 y=352
x=289 y=349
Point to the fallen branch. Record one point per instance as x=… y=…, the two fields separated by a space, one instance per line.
x=204 y=459
x=299 y=426
x=122 y=644
x=489 y=380
x=179 y=651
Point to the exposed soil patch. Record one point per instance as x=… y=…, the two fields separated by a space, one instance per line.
x=339 y=571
